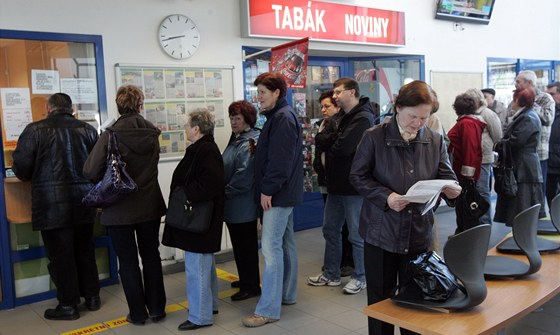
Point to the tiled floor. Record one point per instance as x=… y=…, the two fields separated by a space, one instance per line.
x=319 y=310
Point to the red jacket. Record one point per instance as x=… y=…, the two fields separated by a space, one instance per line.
x=465 y=147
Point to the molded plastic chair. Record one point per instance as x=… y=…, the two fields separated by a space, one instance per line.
x=551 y=227
x=524 y=230
x=464 y=255
x=508 y=246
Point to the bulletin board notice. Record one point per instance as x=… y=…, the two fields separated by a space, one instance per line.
x=447 y=86
x=172 y=92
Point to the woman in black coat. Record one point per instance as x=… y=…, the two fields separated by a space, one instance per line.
x=521 y=138
x=201 y=173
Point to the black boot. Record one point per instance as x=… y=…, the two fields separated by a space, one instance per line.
x=93 y=303
x=62 y=312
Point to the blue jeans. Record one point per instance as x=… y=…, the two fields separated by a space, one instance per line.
x=279 y=284
x=202 y=287
x=340 y=208
x=483 y=187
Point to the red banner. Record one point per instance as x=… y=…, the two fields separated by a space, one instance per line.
x=290 y=60
x=324 y=21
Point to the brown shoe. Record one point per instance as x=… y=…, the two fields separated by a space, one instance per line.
x=256 y=320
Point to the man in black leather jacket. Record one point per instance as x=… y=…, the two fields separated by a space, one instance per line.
x=51 y=153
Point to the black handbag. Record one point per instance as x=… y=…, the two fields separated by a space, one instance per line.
x=505 y=184
x=193 y=217
x=116 y=183
x=470 y=203
x=433 y=277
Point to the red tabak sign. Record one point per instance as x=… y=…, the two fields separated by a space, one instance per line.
x=325 y=21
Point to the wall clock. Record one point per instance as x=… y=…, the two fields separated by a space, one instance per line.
x=178 y=35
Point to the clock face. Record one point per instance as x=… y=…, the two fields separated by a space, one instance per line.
x=178 y=36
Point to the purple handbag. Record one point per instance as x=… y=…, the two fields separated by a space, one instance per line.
x=116 y=183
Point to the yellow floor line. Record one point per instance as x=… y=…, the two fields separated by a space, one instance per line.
x=103 y=326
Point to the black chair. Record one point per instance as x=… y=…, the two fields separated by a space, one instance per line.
x=551 y=226
x=464 y=255
x=524 y=230
x=508 y=246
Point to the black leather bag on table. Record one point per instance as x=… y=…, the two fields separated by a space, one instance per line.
x=193 y=217
x=116 y=183
x=433 y=277
x=505 y=184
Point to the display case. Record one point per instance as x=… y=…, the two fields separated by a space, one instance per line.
x=34 y=66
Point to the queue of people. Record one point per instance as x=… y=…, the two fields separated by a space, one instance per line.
x=259 y=175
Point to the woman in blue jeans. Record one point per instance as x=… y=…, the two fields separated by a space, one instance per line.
x=278 y=188
x=201 y=174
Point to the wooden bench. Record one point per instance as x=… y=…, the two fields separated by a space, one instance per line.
x=507 y=302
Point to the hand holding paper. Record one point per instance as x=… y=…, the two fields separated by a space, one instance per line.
x=427 y=191
x=424 y=190
x=396 y=203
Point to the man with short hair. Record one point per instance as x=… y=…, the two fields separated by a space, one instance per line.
x=496 y=106
x=544 y=106
x=51 y=153
x=553 y=175
x=343 y=203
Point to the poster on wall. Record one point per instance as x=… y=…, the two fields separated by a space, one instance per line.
x=171 y=93
x=290 y=60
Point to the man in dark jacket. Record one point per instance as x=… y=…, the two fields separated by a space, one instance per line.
x=343 y=203
x=51 y=153
x=553 y=173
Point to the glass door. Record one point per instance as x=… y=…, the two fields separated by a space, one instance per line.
x=501 y=77
x=380 y=78
x=321 y=74
x=34 y=65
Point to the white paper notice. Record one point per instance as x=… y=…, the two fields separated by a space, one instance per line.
x=45 y=81
x=15 y=98
x=82 y=91
x=16 y=111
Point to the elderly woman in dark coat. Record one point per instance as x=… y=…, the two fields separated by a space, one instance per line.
x=522 y=138
x=133 y=222
x=390 y=158
x=201 y=173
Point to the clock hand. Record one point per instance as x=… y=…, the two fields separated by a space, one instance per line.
x=173 y=37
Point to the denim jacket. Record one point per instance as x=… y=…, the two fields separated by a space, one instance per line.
x=239 y=173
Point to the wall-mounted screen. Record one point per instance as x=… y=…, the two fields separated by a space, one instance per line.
x=475 y=11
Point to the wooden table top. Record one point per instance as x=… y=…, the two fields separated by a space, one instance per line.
x=507 y=302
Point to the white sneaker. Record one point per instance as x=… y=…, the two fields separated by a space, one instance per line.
x=354 y=286
x=321 y=280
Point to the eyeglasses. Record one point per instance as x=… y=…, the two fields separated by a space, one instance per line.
x=338 y=92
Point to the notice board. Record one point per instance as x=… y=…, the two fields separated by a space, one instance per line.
x=447 y=86
x=172 y=92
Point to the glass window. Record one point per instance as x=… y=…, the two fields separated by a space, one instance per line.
x=381 y=79
x=501 y=77
x=32 y=70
